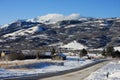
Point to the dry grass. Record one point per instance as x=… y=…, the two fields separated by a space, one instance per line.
x=6 y=64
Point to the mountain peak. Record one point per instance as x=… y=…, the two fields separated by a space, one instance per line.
x=53 y=18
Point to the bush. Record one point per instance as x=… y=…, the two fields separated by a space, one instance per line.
x=110 y=51
x=117 y=54
x=104 y=52
x=83 y=53
x=53 y=52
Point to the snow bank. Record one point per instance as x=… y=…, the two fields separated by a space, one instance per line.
x=111 y=71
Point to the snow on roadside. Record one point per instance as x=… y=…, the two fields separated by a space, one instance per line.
x=70 y=63
x=9 y=74
x=111 y=71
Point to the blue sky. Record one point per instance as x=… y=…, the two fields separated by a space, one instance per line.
x=11 y=10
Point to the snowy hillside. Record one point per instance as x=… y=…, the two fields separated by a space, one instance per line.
x=74 y=45
x=28 y=31
x=4 y=26
x=53 y=18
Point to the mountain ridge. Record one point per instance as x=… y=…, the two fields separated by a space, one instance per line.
x=91 y=32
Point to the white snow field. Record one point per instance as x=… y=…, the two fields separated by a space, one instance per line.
x=44 y=67
x=110 y=71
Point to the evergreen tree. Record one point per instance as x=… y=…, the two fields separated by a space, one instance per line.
x=110 y=51
x=83 y=53
x=53 y=51
x=117 y=54
x=104 y=52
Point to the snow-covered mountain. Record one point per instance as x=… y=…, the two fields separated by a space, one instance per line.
x=53 y=18
x=4 y=26
x=51 y=29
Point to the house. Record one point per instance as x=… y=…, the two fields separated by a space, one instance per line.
x=59 y=56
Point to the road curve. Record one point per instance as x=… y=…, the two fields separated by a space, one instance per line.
x=78 y=75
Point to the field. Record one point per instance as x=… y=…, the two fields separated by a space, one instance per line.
x=12 y=69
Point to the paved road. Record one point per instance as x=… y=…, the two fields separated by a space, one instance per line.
x=78 y=75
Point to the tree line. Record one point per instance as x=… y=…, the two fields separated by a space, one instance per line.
x=111 y=52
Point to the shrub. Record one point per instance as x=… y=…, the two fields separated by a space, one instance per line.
x=53 y=52
x=83 y=53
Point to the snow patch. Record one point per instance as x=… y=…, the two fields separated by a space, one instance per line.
x=111 y=71
x=70 y=26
